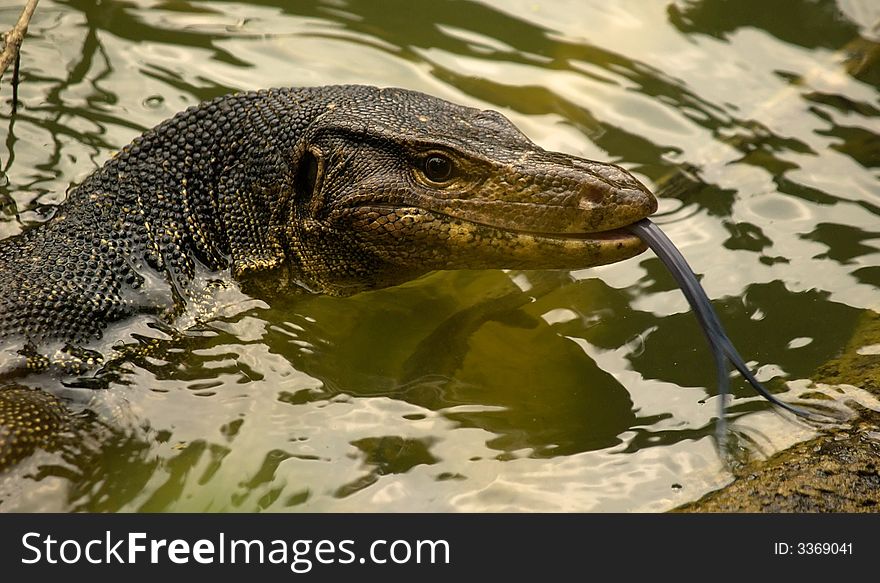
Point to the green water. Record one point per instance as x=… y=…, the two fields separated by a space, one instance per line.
x=491 y=390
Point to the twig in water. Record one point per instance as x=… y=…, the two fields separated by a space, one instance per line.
x=14 y=38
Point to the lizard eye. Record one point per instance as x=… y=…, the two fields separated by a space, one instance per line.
x=437 y=168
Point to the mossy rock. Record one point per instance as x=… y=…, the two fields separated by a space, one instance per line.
x=839 y=471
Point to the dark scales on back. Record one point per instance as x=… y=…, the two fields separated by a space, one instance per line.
x=335 y=189
x=329 y=189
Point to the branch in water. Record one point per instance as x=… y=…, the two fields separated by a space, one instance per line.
x=15 y=36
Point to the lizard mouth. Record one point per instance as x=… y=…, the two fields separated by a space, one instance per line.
x=616 y=234
x=447 y=241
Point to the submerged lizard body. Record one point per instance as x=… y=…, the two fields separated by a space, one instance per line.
x=333 y=189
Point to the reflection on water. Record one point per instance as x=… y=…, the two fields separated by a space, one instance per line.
x=589 y=390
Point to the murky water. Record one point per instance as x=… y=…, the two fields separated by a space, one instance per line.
x=490 y=390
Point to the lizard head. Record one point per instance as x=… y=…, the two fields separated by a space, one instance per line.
x=399 y=183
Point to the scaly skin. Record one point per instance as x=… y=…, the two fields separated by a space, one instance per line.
x=333 y=189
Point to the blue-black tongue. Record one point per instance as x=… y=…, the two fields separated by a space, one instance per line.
x=722 y=348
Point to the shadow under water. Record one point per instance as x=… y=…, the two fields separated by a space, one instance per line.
x=476 y=391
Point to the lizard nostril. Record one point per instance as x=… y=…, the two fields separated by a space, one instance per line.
x=592 y=193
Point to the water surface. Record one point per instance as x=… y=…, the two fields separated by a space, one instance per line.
x=484 y=390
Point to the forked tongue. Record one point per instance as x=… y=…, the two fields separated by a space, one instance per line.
x=722 y=348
